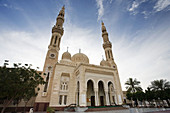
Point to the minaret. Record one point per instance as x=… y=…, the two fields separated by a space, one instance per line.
x=107 y=46
x=57 y=32
x=53 y=48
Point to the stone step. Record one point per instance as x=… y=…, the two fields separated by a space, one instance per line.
x=104 y=109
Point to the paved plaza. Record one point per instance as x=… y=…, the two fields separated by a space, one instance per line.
x=131 y=110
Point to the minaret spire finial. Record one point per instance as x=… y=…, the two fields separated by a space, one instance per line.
x=63 y=7
x=79 y=50
x=102 y=22
x=62 y=12
x=102 y=57
x=67 y=48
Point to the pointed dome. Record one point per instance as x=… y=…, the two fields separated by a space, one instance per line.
x=103 y=27
x=105 y=63
x=80 y=58
x=66 y=55
x=62 y=11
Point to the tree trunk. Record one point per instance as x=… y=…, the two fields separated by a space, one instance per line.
x=131 y=102
x=144 y=103
x=16 y=108
x=5 y=105
x=3 y=109
x=25 y=106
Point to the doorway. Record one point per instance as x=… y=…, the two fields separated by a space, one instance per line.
x=102 y=100
x=92 y=100
x=90 y=95
x=101 y=93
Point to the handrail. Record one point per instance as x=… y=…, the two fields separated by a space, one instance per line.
x=71 y=105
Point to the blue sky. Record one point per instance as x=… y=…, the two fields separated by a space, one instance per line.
x=138 y=29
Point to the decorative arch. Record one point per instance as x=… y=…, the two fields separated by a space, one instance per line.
x=102 y=82
x=101 y=93
x=92 y=81
x=110 y=83
x=111 y=93
x=90 y=94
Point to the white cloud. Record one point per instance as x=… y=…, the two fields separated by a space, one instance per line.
x=23 y=47
x=10 y=6
x=161 y=5
x=100 y=8
x=85 y=39
x=143 y=58
x=133 y=7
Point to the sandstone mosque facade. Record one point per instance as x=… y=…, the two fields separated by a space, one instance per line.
x=73 y=80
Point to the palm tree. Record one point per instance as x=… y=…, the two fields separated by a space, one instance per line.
x=133 y=85
x=160 y=85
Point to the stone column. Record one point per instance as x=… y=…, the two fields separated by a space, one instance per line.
x=112 y=100
x=96 y=97
x=107 y=98
x=62 y=100
x=83 y=98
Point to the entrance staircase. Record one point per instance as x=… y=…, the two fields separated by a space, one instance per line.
x=70 y=108
x=104 y=108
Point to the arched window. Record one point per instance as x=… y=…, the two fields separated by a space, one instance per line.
x=65 y=99
x=64 y=86
x=61 y=87
x=46 y=84
x=109 y=54
x=60 y=99
x=55 y=40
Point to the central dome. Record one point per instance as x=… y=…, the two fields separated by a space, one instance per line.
x=80 y=57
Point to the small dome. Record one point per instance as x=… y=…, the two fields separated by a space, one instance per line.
x=105 y=63
x=66 y=55
x=102 y=63
x=80 y=57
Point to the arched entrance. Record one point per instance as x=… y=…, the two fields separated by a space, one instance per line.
x=102 y=99
x=90 y=93
x=111 y=93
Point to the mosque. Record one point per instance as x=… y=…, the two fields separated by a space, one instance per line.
x=73 y=80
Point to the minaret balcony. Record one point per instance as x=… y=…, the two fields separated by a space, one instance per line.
x=58 y=29
x=104 y=33
x=107 y=45
x=60 y=17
